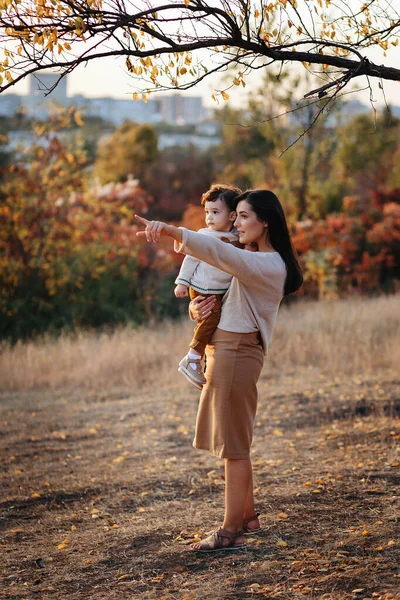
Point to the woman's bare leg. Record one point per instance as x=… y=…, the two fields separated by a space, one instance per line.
x=238 y=480
x=249 y=510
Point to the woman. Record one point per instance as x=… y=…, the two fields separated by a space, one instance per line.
x=228 y=402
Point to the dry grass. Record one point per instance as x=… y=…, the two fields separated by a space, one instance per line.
x=342 y=337
x=102 y=492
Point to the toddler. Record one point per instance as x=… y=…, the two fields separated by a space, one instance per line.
x=197 y=278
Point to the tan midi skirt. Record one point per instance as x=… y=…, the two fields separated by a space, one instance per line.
x=228 y=401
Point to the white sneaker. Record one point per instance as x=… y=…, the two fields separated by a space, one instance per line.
x=194 y=376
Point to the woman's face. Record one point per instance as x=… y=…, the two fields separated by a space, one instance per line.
x=249 y=228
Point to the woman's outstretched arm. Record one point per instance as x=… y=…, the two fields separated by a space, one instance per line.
x=213 y=251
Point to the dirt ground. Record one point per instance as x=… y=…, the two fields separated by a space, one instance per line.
x=102 y=494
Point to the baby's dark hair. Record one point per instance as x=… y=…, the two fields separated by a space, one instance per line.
x=227 y=193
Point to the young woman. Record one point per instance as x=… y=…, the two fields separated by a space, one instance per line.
x=228 y=401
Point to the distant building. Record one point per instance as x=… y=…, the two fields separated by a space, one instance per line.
x=203 y=142
x=182 y=110
x=116 y=111
x=47 y=90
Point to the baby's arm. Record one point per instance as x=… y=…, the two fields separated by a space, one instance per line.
x=181 y=290
x=185 y=276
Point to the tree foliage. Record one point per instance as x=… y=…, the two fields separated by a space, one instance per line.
x=163 y=43
x=69 y=254
x=177 y=178
x=129 y=151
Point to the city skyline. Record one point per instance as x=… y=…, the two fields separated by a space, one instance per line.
x=108 y=78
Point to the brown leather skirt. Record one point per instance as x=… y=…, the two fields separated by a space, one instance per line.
x=228 y=401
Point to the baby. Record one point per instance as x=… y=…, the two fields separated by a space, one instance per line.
x=197 y=278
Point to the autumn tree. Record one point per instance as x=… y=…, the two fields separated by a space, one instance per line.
x=247 y=145
x=368 y=153
x=69 y=256
x=34 y=218
x=129 y=150
x=163 y=43
x=177 y=178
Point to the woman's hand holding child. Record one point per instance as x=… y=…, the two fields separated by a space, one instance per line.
x=201 y=307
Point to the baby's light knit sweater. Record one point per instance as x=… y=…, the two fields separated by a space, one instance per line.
x=203 y=277
x=252 y=301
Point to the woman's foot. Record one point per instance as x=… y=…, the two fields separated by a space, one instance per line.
x=251 y=524
x=221 y=539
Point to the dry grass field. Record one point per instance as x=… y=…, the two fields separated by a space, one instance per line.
x=102 y=492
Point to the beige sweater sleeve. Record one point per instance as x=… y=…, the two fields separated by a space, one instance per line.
x=235 y=261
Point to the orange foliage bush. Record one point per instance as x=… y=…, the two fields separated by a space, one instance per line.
x=355 y=251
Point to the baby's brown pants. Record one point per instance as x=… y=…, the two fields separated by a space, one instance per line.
x=205 y=328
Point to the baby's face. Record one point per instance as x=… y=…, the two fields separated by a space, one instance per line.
x=218 y=216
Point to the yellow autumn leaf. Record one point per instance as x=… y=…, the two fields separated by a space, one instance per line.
x=281 y=544
x=78 y=118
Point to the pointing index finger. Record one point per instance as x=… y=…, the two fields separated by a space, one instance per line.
x=141 y=220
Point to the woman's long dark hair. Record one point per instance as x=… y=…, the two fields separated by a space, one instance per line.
x=269 y=210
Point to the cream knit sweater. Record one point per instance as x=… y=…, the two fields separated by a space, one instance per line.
x=203 y=277
x=252 y=301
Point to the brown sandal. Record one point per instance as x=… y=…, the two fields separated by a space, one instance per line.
x=246 y=530
x=215 y=542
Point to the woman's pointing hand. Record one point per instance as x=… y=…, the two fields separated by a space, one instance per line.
x=154 y=229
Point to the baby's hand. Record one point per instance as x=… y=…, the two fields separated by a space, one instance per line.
x=181 y=291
